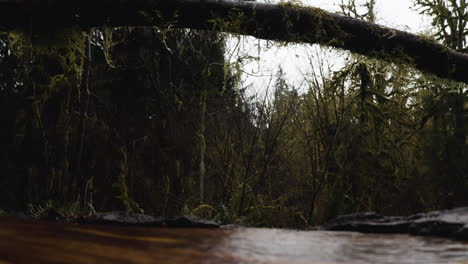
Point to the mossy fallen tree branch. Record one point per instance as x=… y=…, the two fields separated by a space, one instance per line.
x=283 y=22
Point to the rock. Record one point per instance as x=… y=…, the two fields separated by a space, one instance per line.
x=120 y=217
x=133 y=219
x=447 y=223
x=190 y=221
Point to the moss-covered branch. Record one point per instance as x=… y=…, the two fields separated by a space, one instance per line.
x=283 y=22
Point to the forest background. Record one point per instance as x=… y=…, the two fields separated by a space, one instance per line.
x=161 y=121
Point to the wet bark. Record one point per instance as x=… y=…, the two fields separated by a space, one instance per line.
x=451 y=223
x=284 y=22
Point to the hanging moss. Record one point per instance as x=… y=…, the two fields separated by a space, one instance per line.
x=67 y=47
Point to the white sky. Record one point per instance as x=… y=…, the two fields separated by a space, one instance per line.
x=293 y=59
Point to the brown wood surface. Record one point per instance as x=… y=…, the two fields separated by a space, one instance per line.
x=26 y=241
x=36 y=242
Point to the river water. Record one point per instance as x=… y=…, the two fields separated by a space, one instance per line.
x=24 y=241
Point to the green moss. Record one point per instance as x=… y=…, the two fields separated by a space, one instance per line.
x=236 y=19
x=67 y=45
x=129 y=204
x=325 y=29
x=57 y=81
x=205 y=211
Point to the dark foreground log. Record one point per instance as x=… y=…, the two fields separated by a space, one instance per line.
x=448 y=223
x=27 y=241
x=284 y=22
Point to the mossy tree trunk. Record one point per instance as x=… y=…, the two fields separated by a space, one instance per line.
x=282 y=22
x=47 y=121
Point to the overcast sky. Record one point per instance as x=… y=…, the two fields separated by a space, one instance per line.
x=293 y=59
x=393 y=13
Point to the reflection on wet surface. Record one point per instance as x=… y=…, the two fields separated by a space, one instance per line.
x=39 y=242
x=286 y=246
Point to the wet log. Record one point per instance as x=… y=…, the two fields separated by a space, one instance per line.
x=28 y=241
x=446 y=223
x=282 y=22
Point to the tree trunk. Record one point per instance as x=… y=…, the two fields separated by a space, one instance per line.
x=282 y=22
x=202 y=145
